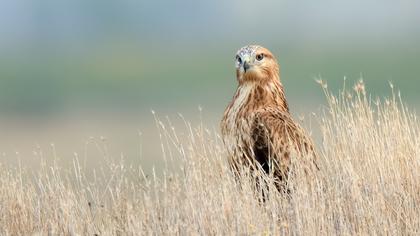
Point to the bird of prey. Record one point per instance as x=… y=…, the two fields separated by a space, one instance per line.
x=257 y=127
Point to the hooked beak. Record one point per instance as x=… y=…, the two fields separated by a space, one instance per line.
x=246 y=66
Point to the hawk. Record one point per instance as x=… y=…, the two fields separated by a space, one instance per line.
x=257 y=127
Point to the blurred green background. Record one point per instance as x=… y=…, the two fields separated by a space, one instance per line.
x=71 y=70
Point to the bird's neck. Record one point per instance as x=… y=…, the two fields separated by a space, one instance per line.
x=260 y=95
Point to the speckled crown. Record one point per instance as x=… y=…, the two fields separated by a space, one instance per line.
x=247 y=50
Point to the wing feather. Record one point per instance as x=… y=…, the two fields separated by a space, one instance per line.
x=277 y=137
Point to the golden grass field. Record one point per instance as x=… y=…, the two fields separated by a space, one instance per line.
x=368 y=184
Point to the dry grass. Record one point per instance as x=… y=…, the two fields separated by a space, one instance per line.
x=369 y=184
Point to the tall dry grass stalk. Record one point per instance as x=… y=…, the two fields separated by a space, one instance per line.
x=368 y=184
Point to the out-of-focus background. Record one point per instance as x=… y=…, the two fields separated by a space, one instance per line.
x=72 y=70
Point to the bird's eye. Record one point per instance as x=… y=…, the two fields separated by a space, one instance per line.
x=238 y=58
x=260 y=57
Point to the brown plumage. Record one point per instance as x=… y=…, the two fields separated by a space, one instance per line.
x=257 y=127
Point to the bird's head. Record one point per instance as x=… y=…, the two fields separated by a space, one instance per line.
x=256 y=63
